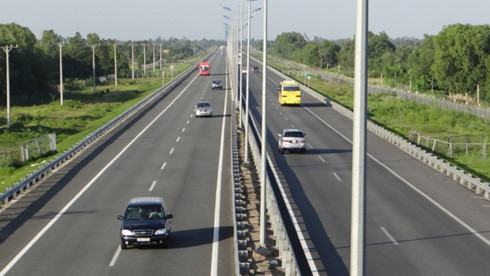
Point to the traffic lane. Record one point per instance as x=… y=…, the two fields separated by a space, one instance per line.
x=405 y=231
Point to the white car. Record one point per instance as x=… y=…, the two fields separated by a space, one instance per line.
x=292 y=140
x=204 y=108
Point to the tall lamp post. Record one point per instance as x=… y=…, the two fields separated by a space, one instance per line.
x=358 y=197
x=248 y=81
x=7 y=49
x=263 y=160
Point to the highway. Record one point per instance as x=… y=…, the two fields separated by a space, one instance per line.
x=68 y=226
x=418 y=221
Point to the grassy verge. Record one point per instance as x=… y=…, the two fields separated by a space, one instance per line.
x=82 y=112
x=403 y=116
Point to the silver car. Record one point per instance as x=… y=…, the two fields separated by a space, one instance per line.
x=204 y=108
x=292 y=140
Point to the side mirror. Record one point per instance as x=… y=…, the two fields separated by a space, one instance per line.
x=120 y=217
x=169 y=216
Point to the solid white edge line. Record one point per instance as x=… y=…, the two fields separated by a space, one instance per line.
x=214 y=254
x=431 y=200
x=89 y=184
x=297 y=228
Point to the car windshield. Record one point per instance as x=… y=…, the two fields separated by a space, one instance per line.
x=202 y=105
x=290 y=88
x=293 y=134
x=144 y=212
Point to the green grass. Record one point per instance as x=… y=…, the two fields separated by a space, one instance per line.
x=402 y=116
x=82 y=112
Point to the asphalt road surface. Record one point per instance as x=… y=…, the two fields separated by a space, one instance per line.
x=68 y=226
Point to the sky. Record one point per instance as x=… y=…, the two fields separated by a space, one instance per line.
x=205 y=19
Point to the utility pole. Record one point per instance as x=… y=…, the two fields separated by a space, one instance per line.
x=93 y=62
x=153 y=58
x=161 y=62
x=60 y=45
x=7 y=49
x=144 y=59
x=115 y=64
x=132 y=60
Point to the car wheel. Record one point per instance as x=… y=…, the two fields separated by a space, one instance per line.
x=281 y=150
x=123 y=245
x=303 y=150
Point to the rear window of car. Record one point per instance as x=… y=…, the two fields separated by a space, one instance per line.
x=293 y=134
x=202 y=105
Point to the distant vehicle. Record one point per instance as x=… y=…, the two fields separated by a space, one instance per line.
x=292 y=140
x=145 y=222
x=204 y=108
x=255 y=69
x=289 y=92
x=216 y=84
x=204 y=68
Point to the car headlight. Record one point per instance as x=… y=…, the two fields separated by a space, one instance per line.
x=161 y=231
x=126 y=232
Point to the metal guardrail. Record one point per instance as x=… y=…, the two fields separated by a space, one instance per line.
x=31 y=179
x=276 y=204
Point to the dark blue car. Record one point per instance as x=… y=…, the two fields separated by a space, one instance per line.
x=145 y=222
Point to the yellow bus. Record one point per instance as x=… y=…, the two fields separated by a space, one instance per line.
x=289 y=93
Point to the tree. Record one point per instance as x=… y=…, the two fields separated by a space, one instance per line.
x=460 y=53
x=287 y=45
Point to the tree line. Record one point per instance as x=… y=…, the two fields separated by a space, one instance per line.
x=456 y=60
x=34 y=64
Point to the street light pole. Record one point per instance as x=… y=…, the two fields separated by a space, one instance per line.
x=358 y=201
x=7 y=49
x=247 y=127
x=263 y=160
x=241 y=66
